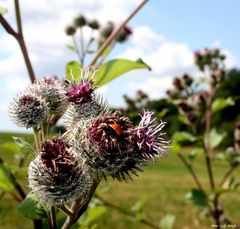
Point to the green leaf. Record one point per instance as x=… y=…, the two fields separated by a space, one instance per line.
x=31 y=208
x=73 y=71
x=115 y=68
x=23 y=144
x=71 y=47
x=183 y=137
x=138 y=206
x=197 y=197
x=93 y=214
x=162 y=113
x=6 y=180
x=3 y=10
x=167 y=221
x=221 y=103
x=194 y=153
x=10 y=147
x=214 y=138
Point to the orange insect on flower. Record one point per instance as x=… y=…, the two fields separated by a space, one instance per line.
x=117 y=128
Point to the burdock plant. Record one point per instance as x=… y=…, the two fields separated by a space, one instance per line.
x=98 y=143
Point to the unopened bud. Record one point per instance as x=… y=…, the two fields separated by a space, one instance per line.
x=70 y=30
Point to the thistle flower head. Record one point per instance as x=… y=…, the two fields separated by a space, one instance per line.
x=50 y=89
x=112 y=147
x=148 y=137
x=84 y=101
x=56 y=176
x=109 y=135
x=28 y=110
x=81 y=93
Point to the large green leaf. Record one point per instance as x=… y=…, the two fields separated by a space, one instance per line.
x=183 y=137
x=114 y=68
x=214 y=138
x=10 y=147
x=167 y=221
x=197 y=197
x=73 y=71
x=221 y=103
x=6 y=180
x=31 y=208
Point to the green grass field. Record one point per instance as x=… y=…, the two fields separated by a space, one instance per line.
x=166 y=182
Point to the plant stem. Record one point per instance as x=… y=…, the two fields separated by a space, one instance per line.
x=82 y=47
x=36 y=138
x=20 y=39
x=190 y=169
x=22 y=42
x=209 y=151
x=66 y=210
x=227 y=174
x=76 y=48
x=80 y=206
x=53 y=224
x=125 y=212
x=115 y=33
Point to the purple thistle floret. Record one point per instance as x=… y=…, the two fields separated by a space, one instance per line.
x=148 y=137
x=55 y=156
x=81 y=93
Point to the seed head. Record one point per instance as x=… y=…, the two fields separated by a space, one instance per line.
x=27 y=110
x=56 y=176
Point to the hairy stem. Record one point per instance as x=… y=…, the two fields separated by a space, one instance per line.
x=36 y=138
x=115 y=33
x=125 y=212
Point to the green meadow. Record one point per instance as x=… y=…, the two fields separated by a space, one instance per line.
x=165 y=182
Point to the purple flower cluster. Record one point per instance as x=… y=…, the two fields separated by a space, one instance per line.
x=98 y=143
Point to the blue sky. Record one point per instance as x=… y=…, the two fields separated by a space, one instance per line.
x=165 y=34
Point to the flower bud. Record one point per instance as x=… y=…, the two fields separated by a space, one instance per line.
x=93 y=24
x=107 y=30
x=70 y=30
x=177 y=83
x=80 y=21
x=50 y=89
x=28 y=110
x=123 y=34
